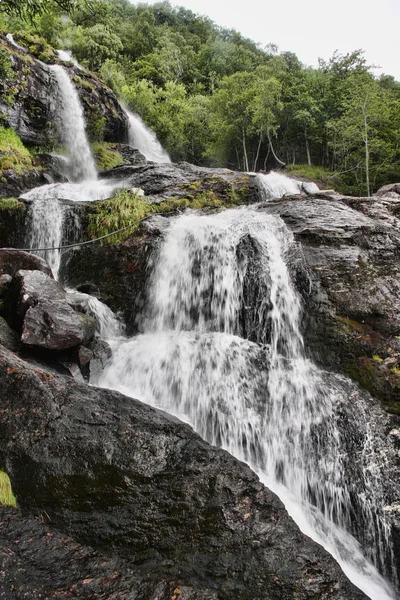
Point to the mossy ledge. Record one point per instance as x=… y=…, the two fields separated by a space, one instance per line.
x=128 y=209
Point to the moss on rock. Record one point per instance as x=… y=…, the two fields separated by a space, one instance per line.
x=13 y=154
x=106 y=156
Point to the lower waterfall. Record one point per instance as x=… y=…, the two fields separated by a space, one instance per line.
x=296 y=426
x=52 y=218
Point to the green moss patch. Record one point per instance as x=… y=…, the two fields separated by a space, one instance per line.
x=7 y=497
x=106 y=156
x=13 y=154
x=124 y=209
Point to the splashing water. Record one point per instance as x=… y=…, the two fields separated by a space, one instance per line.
x=72 y=129
x=265 y=403
x=145 y=140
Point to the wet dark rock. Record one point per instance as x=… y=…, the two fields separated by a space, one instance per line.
x=12 y=261
x=170 y=180
x=106 y=120
x=12 y=224
x=101 y=354
x=121 y=476
x=117 y=272
x=15 y=183
x=31 y=113
x=48 y=321
x=41 y=562
x=352 y=308
x=8 y=337
x=131 y=156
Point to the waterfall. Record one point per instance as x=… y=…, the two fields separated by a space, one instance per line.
x=145 y=140
x=46 y=230
x=263 y=401
x=72 y=129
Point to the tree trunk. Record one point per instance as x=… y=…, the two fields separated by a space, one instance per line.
x=266 y=158
x=245 y=159
x=278 y=160
x=366 y=150
x=258 y=154
x=307 y=149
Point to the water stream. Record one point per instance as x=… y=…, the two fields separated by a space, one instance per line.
x=295 y=425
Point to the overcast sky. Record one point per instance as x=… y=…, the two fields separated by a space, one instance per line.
x=313 y=28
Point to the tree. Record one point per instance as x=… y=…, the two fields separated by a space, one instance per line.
x=32 y=8
x=93 y=46
x=364 y=137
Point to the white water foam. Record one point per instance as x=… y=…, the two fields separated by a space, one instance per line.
x=268 y=406
x=145 y=140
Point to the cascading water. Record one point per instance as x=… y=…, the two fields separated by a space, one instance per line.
x=72 y=129
x=145 y=140
x=277 y=185
x=263 y=402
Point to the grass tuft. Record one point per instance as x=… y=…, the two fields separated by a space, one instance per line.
x=13 y=154
x=7 y=498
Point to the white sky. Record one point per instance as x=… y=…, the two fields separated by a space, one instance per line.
x=313 y=28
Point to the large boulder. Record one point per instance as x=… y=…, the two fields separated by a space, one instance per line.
x=177 y=180
x=12 y=261
x=48 y=320
x=43 y=563
x=117 y=474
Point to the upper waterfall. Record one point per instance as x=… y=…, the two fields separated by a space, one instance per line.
x=145 y=140
x=276 y=185
x=81 y=164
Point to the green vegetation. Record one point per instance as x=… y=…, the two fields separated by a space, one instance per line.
x=106 y=156
x=7 y=498
x=36 y=45
x=127 y=209
x=216 y=98
x=124 y=209
x=13 y=154
x=6 y=70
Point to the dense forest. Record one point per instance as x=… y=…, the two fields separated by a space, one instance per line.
x=216 y=98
